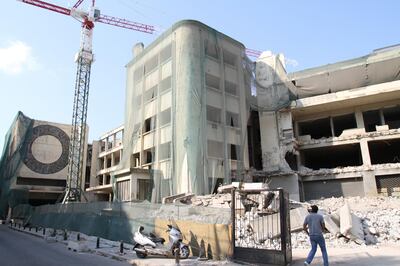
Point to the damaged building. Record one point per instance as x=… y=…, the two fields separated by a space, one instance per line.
x=344 y=123
x=199 y=113
x=186 y=116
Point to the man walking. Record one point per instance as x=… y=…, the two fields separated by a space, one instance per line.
x=314 y=225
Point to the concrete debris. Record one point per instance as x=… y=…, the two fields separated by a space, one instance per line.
x=243 y=186
x=214 y=201
x=357 y=221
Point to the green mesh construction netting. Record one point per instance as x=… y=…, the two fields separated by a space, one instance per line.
x=14 y=152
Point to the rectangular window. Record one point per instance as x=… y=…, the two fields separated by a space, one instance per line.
x=138 y=73
x=229 y=58
x=164 y=151
x=392 y=117
x=165 y=53
x=213 y=114
x=233 y=151
x=150 y=94
x=371 y=120
x=165 y=117
x=317 y=129
x=211 y=49
x=232 y=119
x=215 y=149
x=151 y=64
x=230 y=88
x=212 y=81
x=149 y=155
x=135 y=160
x=343 y=122
x=165 y=84
x=149 y=124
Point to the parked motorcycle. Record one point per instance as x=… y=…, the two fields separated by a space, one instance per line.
x=153 y=245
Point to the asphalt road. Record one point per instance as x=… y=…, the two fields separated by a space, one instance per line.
x=18 y=248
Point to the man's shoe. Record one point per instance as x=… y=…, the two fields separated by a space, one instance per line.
x=306 y=263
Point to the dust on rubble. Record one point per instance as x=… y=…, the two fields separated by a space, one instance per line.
x=373 y=221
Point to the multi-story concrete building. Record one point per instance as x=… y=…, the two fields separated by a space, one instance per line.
x=186 y=113
x=106 y=155
x=340 y=133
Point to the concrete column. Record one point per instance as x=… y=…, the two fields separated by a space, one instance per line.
x=382 y=117
x=134 y=187
x=369 y=181
x=332 y=126
x=365 y=152
x=269 y=141
x=112 y=159
x=359 y=119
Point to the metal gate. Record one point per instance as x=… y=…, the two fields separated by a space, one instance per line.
x=261 y=226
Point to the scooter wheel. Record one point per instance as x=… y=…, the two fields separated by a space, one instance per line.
x=140 y=254
x=184 y=252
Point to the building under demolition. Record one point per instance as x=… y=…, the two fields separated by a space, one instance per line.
x=200 y=113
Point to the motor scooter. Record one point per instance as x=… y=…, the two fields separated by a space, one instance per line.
x=153 y=245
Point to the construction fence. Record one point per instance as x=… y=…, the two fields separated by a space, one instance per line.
x=118 y=221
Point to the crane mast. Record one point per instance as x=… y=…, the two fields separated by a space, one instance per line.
x=84 y=59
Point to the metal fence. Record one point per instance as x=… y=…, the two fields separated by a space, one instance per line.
x=388 y=185
x=261 y=226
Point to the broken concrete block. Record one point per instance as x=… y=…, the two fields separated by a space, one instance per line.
x=352 y=132
x=297 y=217
x=330 y=224
x=77 y=246
x=382 y=128
x=356 y=230
x=225 y=189
x=184 y=198
x=345 y=219
x=170 y=199
x=304 y=138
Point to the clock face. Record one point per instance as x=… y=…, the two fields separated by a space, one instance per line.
x=47 y=150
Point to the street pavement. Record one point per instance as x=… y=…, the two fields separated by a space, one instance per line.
x=18 y=248
x=29 y=248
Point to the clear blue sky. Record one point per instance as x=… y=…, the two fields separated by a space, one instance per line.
x=37 y=71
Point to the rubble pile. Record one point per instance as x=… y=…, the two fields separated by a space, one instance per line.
x=213 y=201
x=374 y=221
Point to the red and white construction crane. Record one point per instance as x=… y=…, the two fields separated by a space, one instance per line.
x=84 y=60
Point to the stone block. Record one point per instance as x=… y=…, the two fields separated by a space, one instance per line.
x=345 y=219
x=77 y=246
x=297 y=217
x=330 y=224
x=382 y=128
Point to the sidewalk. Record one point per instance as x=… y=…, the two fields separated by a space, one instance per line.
x=110 y=248
x=364 y=255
